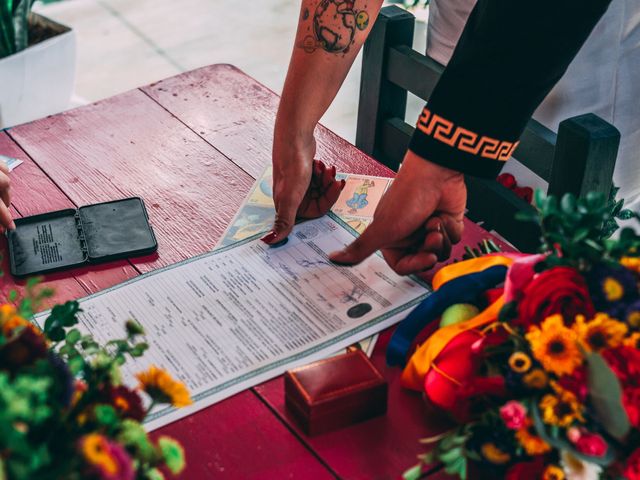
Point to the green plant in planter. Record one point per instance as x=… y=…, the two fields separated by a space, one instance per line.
x=14 y=26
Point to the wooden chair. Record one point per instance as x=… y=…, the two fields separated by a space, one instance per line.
x=579 y=159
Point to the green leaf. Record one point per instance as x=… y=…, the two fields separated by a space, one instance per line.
x=562 y=444
x=73 y=336
x=626 y=215
x=172 y=453
x=539 y=198
x=413 y=473
x=605 y=393
x=134 y=328
x=106 y=415
x=568 y=203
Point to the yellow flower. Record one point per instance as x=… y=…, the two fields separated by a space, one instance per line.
x=160 y=386
x=536 y=378
x=599 y=333
x=553 y=472
x=494 y=455
x=631 y=263
x=10 y=320
x=530 y=441
x=633 y=340
x=613 y=289
x=633 y=319
x=519 y=362
x=96 y=451
x=561 y=408
x=554 y=345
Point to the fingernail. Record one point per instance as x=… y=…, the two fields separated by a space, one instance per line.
x=334 y=257
x=269 y=237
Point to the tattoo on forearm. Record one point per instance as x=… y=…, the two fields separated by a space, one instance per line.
x=332 y=26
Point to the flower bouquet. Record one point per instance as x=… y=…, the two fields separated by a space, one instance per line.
x=536 y=357
x=64 y=412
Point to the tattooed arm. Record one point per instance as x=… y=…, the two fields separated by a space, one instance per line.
x=330 y=34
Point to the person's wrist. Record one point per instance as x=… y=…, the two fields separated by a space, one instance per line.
x=430 y=170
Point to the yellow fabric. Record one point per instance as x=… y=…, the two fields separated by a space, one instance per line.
x=466 y=267
x=422 y=360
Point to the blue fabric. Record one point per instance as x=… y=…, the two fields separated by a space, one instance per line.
x=465 y=289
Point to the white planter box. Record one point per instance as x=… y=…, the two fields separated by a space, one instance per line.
x=38 y=81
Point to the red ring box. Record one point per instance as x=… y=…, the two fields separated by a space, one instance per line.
x=335 y=392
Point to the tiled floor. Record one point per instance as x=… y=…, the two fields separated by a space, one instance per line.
x=123 y=44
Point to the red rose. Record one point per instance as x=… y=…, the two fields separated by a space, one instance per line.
x=507 y=180
x=631 y=402
x=456 y=381
x=591 y=444
x=576 y=383
x=526 y=470
x=632 y=466
x=525 y=193
x=625 y=363
x=557 y=290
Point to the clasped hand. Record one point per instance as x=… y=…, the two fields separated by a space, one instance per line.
x=414 y=225
x=6 y=221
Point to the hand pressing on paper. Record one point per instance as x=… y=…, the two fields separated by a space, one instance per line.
x=417 y=220
x=302 y=187
x=6 y=222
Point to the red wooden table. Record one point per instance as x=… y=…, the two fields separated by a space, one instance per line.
x=192 y=146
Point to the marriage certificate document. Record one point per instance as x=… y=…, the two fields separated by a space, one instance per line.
x=237 y=316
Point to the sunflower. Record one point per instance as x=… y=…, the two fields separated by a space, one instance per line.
x=493 y=454
x=11 y=321
x=553 y=472
x=554 y=345
x=632 y=314
x=631 y=263
x=561 y=408
x=632 y=341
x=611 y=287
x=96 y=451
x=599 y=333
x=519 y=362
x=163 y=388
x=530 y=441
x=536 y=378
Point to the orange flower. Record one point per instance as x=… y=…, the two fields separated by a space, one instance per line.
x=10 y=320
x=555 y=346
x=599 y=333
x=530 y=441
x=162 y=387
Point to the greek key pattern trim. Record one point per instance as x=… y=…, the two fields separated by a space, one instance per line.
x=465 y=140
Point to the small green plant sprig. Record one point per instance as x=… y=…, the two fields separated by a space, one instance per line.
x=578 y=232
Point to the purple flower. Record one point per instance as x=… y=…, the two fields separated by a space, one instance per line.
x=612 y=289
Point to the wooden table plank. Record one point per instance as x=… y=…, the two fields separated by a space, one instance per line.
x=235 y=113
x=33 y=192
x=93 y=156
x=130 y=146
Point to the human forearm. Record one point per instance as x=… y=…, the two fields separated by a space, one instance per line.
x=509 y=56
x=330 y=34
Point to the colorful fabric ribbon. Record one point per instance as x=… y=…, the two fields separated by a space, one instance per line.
x=460 y=282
